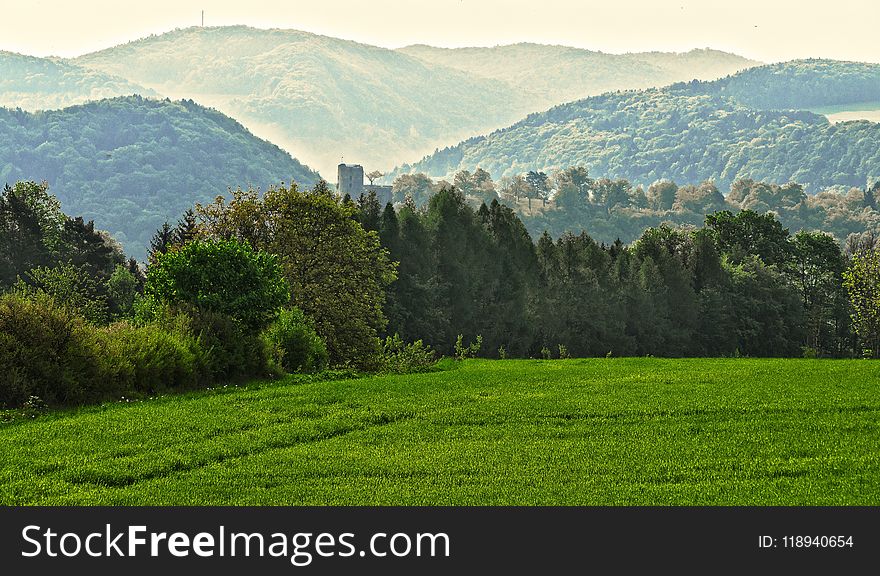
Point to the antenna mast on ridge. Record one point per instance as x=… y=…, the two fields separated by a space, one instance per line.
x=203 y=18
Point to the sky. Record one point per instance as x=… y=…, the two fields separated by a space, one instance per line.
x=765 y=30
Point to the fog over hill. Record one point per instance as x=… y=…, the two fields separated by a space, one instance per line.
x=319 y=97
x=323 y=98
x=556 y=74
x=32 y=83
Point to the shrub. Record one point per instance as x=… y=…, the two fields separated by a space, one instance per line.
x=563 y=352
x=141 y=360
x=70 y=286
x=231 y=351
x=463 y=352
x=46 y=350
x=401 y=358
x=222 y=277
x=297 y=346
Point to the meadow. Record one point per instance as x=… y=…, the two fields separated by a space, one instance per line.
x=639 y=431
x=847 y=112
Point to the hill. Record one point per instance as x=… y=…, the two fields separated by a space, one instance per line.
x=639 y=431
x=131 y=163
x=799 y=85
x=321 y=96
x=555 y=74
x=32 y=83
x=687 y=133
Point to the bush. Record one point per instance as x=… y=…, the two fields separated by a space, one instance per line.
x=46 y=350
x=222 y=277
x=297 y=346
x=401 y=358
x=143 y=360
x=70 y=286
x=463 y=352
x=231 y=351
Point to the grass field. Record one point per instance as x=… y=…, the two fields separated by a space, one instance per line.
x=599 y=431
x=859 y=111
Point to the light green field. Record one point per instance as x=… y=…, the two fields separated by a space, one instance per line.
x=600 y=431
x=859 y=111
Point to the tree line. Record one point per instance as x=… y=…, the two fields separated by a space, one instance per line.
x=741 y=284
x=299 y=280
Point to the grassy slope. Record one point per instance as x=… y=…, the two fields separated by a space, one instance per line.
x=619 y=431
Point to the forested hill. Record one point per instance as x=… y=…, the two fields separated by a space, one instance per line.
x=322 y=97
x=672 y=133
x=32 y=83
x=130 y=163
x=798 y=84
x=556 y=74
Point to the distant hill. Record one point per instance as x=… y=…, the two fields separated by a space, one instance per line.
x=556 y=74
x=322 y=97
x=799 y=84
x=32 y=83
x=326 y=98
x=737 y=127
x=648 y=135
x=131 y=163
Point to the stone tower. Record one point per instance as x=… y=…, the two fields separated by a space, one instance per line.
x=350 y=180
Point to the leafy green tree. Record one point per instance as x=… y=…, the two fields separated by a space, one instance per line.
x=661 y=194
x=862 y=282
x=749 y=233
x=122 y=289
x=818 y=266
x=337 y=271
x=222 y=276
x=31 y=223
x=72 y=287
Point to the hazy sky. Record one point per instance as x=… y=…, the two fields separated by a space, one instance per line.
x=768 y=30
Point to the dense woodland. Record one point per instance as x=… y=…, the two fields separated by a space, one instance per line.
x=298 y=280
x=571 y=200
x=132 y=163
x=740 y=285
x=691 y=132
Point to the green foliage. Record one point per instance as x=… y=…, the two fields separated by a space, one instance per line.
x=232 y=352
x=221 y=276
x=681 y=133
x=399 y=357
x=463 y=352
x=70 y=286
x=147 y=360
x=742 y=283
x=130 y=162
x=122 y=291
x=48 y=351
x=337 y=270
x=862 y=282
x=298 y=347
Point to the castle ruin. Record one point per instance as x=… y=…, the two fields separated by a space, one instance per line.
x=350 y=180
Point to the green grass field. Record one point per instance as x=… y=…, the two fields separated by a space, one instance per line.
x=857 y=111
x=600 y=431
